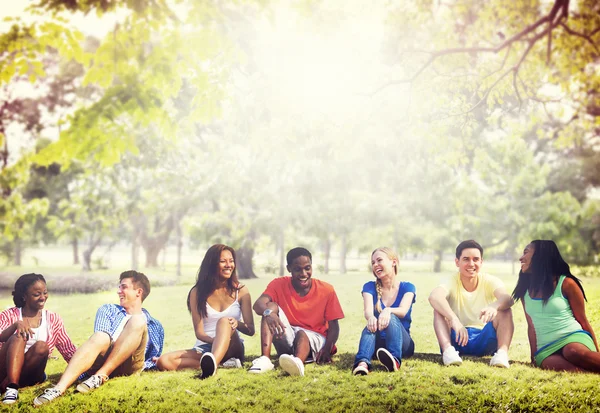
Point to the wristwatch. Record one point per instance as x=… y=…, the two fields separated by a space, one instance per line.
x=267 y=312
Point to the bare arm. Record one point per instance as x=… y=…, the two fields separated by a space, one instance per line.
x=273 y=322
x=247 y=326
x=197 y=318
x=439 y=301
x=574 y=295
x=400 y=311
x=333 y=332
x=530 y=334
x=369 y=312
x=503 y=302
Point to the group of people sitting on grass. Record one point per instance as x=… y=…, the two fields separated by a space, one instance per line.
x=299 y=316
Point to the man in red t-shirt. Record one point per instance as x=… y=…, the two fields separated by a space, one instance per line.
x=299 y=316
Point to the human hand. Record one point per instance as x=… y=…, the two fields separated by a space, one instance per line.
x=462 y=336
x=372 y=324
x=232 y=322
x=384 y=319
x=275 y=325
x=23 y=330
x=487 y=314
x=323 y=356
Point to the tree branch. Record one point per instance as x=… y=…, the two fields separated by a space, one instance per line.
x=587 y=38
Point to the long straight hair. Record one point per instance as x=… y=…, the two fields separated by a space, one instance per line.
x=546 y=266
x=208 y=276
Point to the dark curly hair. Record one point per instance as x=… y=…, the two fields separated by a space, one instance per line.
x=22 y=284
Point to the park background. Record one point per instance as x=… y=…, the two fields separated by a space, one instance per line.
x=136 y=133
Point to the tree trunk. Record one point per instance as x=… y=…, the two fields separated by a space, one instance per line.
x=152 y=249
x=327 y=254
x=244 y=263
x=75 y=245
x=343 y=253
x=18 y=251
x=281 y=254
x=87 y=253
x=135 y=252
x=179 y=248
x=437 y=260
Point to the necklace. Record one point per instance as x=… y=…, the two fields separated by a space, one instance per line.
x=35 y=321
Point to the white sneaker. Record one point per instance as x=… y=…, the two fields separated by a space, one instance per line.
x=47 y=396
x=232 y=363
x=261 y=365
x=208 y=365
x=292 y=365
x=11 y=396
x=451 y=357
x=500 y=359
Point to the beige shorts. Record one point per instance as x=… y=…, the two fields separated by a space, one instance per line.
x=315 y=339
x=133 y=365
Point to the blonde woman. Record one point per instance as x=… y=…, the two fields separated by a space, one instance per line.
x=387 y=309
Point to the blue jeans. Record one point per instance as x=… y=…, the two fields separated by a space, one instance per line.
x=396 y=340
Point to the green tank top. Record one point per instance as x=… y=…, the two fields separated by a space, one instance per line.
x=553 y=320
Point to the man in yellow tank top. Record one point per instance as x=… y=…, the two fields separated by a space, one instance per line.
x=471 y=311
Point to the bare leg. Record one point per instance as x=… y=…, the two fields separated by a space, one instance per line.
x=179 y=360
x=34 y=364
x=582 y=357
x=505 y=327
x=15 y=356
x=84 y=358
x=222 y=339
x=301 y=345
x=126 y=344
x=236 y=348
x=3 y=363
x=442 y=330
x=558 y=363
x=267 y=339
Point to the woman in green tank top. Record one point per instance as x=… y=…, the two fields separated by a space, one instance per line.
x=560 y=335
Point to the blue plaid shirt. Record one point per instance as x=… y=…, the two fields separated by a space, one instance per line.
x=108 y=318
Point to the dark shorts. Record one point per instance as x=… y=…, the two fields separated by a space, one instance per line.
x=129 y=367
x=482 y=342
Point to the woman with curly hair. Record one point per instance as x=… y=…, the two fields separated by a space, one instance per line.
x=387 y=309
x=28 y=334
x=220 y=307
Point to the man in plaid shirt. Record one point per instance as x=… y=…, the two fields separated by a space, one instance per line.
x=126 y=340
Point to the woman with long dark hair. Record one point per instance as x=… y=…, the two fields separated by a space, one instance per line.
x=560 y=335
x=28 y=334
x=220 y=307
x=387 y=308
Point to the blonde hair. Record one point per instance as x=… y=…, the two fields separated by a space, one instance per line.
x=391 y=254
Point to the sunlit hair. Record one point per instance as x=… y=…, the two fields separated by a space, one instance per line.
x=139 y=280
x=391 y=254
x=546 y=266
x=22 y=285
x=208 y=277
x=295 y=253
x=470 y=243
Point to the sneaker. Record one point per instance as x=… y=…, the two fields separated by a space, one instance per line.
x=362 y=369
x=11 y=396
x=390 y=362
x=232 y=363
x=261 y=365
x=292 y=365
x=92 y=383
x=451 y=357
x=47 y=396
x=208 y=365
x=500 y=359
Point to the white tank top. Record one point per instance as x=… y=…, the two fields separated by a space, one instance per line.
x=213 y=316
x=40 y=333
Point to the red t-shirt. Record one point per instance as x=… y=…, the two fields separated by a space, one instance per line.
x=312 y=311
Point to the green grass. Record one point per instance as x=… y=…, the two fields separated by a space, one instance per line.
x=422 y=384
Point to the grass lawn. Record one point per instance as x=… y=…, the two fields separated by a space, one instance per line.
x=422 y=384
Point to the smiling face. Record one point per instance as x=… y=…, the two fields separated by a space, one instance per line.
x=36 y=296
x=226 y=264
x=382 y=265
x=301 y=271
x=469 y=263
x=128 y=293
x=525 y=259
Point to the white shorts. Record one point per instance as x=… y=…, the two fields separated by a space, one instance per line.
x=315 y=339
